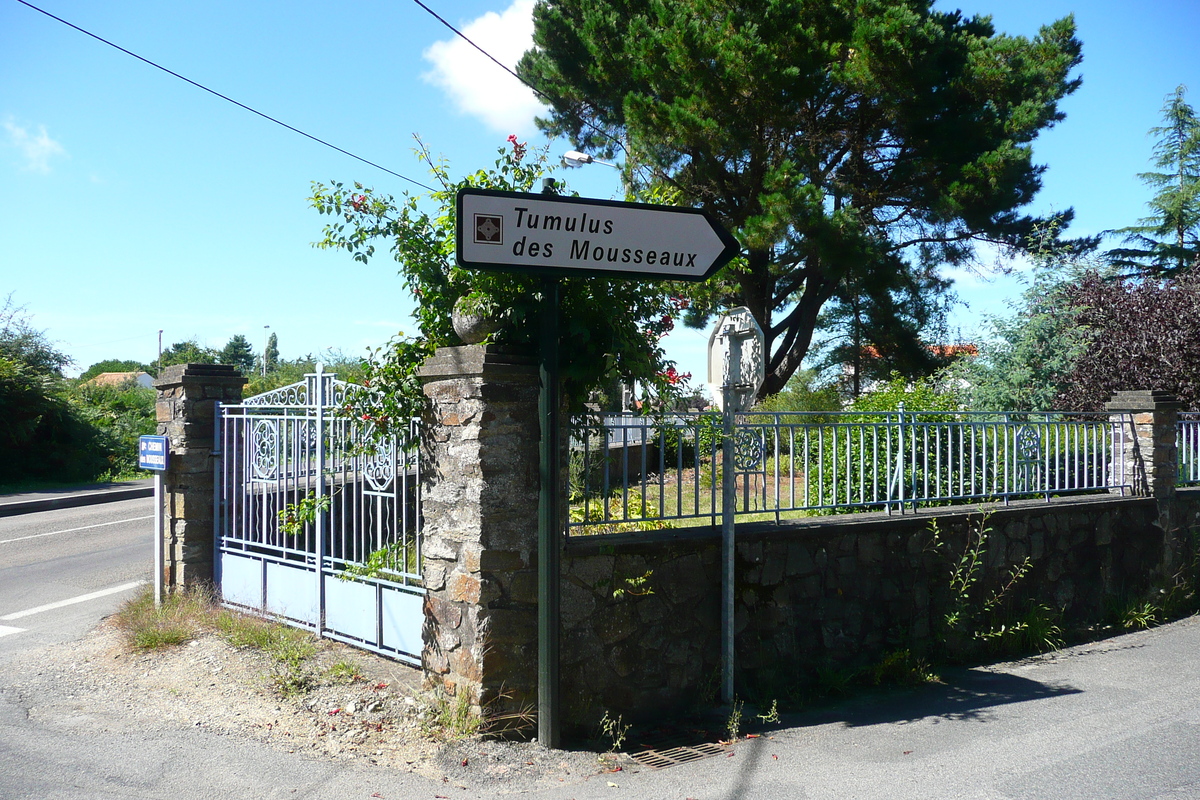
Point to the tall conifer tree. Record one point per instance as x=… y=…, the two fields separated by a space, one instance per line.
x=845 y=142
x=1167 y=242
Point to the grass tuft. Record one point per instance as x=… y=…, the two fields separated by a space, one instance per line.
x=180 y=617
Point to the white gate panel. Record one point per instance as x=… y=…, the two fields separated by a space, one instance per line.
x=242 y=580
x=311 y=494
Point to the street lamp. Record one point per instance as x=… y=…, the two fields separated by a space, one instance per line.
x=573 y=158
x=266 y=341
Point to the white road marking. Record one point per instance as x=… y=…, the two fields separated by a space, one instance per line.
x=83 y=598
x=73 y=530
x=5 y=630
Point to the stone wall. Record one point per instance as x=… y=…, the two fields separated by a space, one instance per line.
x=186 y=411
x=834 y=592
x=480 y=526
x=831 y=592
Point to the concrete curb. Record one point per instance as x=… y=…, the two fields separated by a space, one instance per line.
x=74 y=500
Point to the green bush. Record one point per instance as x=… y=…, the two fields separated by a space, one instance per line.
x=44 y=437
x=120 y=414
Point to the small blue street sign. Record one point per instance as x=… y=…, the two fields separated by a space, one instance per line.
x=152 y=452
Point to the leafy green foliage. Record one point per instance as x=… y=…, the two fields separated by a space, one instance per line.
x=1167 y=242
x=804 y=392
x=188 y=351
x=120 y=414
x=608 y=515
x=23 y=344
x=387 y=562
x=1025 y=357
x=295 y=518
x=608 y=327
x=853 y=146
x=982 y=618
x=44 y=437
x=59 y=430
x=926 y=395
x=852 y=460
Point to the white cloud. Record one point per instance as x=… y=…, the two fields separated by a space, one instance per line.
x=37 y=148
x=476 y=84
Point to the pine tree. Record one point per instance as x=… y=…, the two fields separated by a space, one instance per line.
x=238 y=353
x=840 y=141
x=1167 y=242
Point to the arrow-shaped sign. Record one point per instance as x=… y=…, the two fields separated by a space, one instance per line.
x=565 y=236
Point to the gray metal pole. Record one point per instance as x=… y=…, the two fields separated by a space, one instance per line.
x=729 y=403
x=319 y=493
x=549 y=543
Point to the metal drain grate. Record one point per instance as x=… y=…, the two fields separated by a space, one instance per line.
x=661 y=759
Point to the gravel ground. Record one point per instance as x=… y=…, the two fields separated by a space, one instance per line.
x=382 y=717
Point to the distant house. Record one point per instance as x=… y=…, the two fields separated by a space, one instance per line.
x=122 y=378
x=948 y=352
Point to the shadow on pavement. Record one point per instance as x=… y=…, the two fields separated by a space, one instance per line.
x=964 y=694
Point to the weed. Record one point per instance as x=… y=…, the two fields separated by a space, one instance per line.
x=637 y=586
x=614 y=731
x=391 y=561
x=835 y=681
x=290 y=674
x=289 y=648
x=244 y=631
x=449 y=717
x=1139 y=616
x=344 y=671
x=710 y=688
x=1041 y=631
x=973 y=621
x=733 y=725
x=772 y=716
x=901 y=668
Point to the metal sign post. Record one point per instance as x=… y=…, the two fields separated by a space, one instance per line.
x=735 y=360
x=554 y=237
x=153 y=454
x=549 y=549
x=729 y=405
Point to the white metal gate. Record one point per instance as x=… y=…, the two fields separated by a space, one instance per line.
x=318 y=520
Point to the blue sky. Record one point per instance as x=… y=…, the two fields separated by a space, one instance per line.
x=134 y=202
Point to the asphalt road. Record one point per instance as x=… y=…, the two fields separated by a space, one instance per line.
x=61 y=571
x=1114 y=720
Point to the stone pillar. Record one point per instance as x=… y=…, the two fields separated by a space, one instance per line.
x=1150 y=457
x=480 y=526
x=187 y=399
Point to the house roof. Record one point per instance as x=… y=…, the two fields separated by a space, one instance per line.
x=118 y=378
x=940 y=350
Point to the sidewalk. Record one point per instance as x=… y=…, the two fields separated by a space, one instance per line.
x=73 y=496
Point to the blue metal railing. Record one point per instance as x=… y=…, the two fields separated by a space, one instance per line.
x=650 y=471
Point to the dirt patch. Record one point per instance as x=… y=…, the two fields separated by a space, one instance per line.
x=379 y=715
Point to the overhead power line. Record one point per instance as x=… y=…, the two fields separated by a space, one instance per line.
x=509 y=70
x=226 y=98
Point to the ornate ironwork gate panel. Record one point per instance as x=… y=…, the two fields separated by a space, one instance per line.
x=319 y=519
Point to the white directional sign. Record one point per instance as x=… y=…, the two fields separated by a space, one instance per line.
x=555 y=235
